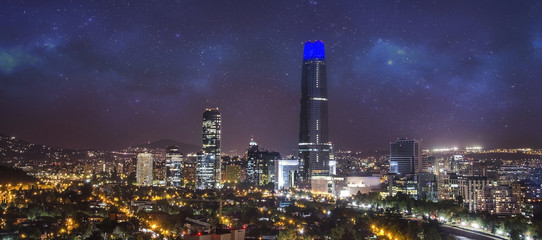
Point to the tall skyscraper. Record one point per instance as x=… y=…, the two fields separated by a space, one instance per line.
x=174 y=167
x=208 y=167
x=144 y=169
x=406 y=157
x=314 y=146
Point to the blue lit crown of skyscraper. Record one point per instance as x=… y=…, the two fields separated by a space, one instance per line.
x=314 y=51
x=314 y=147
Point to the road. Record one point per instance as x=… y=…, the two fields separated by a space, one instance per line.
x=469 y=234
x=463 y=233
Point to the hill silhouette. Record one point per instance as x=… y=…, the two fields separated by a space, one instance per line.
x=14 y=175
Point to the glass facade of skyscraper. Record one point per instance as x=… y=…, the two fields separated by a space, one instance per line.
x=208 y=166
x=405 y=157
x=174 y=166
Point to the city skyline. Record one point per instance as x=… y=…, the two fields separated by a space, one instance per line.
x=108 y=75
x=287 y=120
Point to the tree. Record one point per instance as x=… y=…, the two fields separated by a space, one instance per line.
x=459 y=200
x=291 y=234
x=118 y=232
x=344 y=232
x=33 y=212
x=131 y=179
x=430 y=231
x=337 y=232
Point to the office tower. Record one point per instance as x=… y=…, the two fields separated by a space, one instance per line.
x=268 y=167
x=286 y=173
x=189 y=170
x=332 y=161
x=406 y=157
x=407 y=184
x=209 y=164
x=427 y=187
x=233 y=173
x=251 y=156
x=174 y=167
x=144 y=169
x=260 y=164
x=462 y=166
x=159 y=170
x=205 y=171
x=314 y=144
x=508 y=175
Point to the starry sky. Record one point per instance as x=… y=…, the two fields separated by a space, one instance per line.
x=107 y=74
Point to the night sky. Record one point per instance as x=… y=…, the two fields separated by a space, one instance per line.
x=107 y=74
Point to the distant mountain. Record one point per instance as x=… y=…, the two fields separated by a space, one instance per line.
x=184 y=147
x=14 y=149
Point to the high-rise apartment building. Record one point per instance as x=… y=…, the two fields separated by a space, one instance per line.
x=314 y=146
x=174 y=167
x=144 y=169
x=406 y=157
x=209 y=165
x=472 y=191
